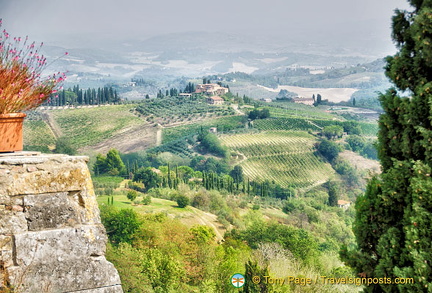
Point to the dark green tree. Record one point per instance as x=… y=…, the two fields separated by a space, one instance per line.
x=148 y=177
x=333 y=193
x=328 y=149
x=237 y=173
x=394 y=217
x=100 y=166
x=114 y=163
x=254 y=270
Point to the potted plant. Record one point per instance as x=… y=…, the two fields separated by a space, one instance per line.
x=22 y=87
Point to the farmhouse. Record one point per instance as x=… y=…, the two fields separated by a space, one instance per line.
x=343 y=204
x=215 y=100
x=185 y=95
x=211 y=89
x=213 y=130
x=267 y=100
x=306 y=101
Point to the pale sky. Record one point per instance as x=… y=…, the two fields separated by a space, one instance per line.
x=41 y=19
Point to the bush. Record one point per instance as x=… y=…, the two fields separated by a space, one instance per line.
x=132 y=195
x=292 y=205
x=256 y=207
x=146 y=200
x=182 y=201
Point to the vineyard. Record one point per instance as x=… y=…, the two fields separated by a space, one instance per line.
x=287 y=158
x=170 y=110
x=284 y=124
x=289 y=109
x=222 y=124
x=179 y=147
x=368 y=129
x=89 y=126
x=38 y=133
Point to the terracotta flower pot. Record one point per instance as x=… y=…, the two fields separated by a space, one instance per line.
x=11 y=132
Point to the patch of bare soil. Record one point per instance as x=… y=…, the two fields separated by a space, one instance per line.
x=361 y=163
x=138 y=138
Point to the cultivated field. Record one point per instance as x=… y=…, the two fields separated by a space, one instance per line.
x=285 y=157
x=38 y=133
x=90 y=126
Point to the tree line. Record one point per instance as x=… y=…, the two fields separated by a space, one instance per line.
x=204 y=172
x=91 y=96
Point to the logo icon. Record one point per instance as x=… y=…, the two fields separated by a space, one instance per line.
x=238 y=280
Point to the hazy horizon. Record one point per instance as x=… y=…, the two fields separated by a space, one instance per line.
x=354 y=23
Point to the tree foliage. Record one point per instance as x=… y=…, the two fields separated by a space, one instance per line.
x=182 y=201
x=333 y=192
x=393 y=220
x=119 y=224
x=237 y=173
x=132 y=195
x=148 y=177
x=328 y=149
x=259 y=114
x=210 y=143
x=112 y=164
x=333 y=131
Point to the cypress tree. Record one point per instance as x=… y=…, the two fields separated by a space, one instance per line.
x=393 y=225
x=169 y=177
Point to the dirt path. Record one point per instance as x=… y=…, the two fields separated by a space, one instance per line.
x=236 y=108
x=310 y=122
x=135 y=139
x=159 y=135
x=49 y=119
x=210 y=220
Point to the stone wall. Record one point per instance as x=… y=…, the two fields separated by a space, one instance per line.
x=51 y=236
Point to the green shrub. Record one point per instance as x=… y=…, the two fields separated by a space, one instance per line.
x=146 y=200
x=132 y=195
x=182 y=201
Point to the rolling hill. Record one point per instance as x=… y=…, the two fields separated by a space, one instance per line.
x=285 y=157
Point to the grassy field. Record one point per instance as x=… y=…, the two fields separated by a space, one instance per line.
x=285 y=157
x=189 y=215
x=89 y=126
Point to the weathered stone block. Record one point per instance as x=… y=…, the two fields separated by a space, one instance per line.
x=55 y=246
x=51 y=236
x=68 y=276
x=57 y=210
x=54 y=173
x=12 y=222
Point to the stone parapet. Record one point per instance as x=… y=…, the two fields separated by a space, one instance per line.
x=51 y=236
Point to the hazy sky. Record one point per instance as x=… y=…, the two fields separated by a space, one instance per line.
x=40 y=19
